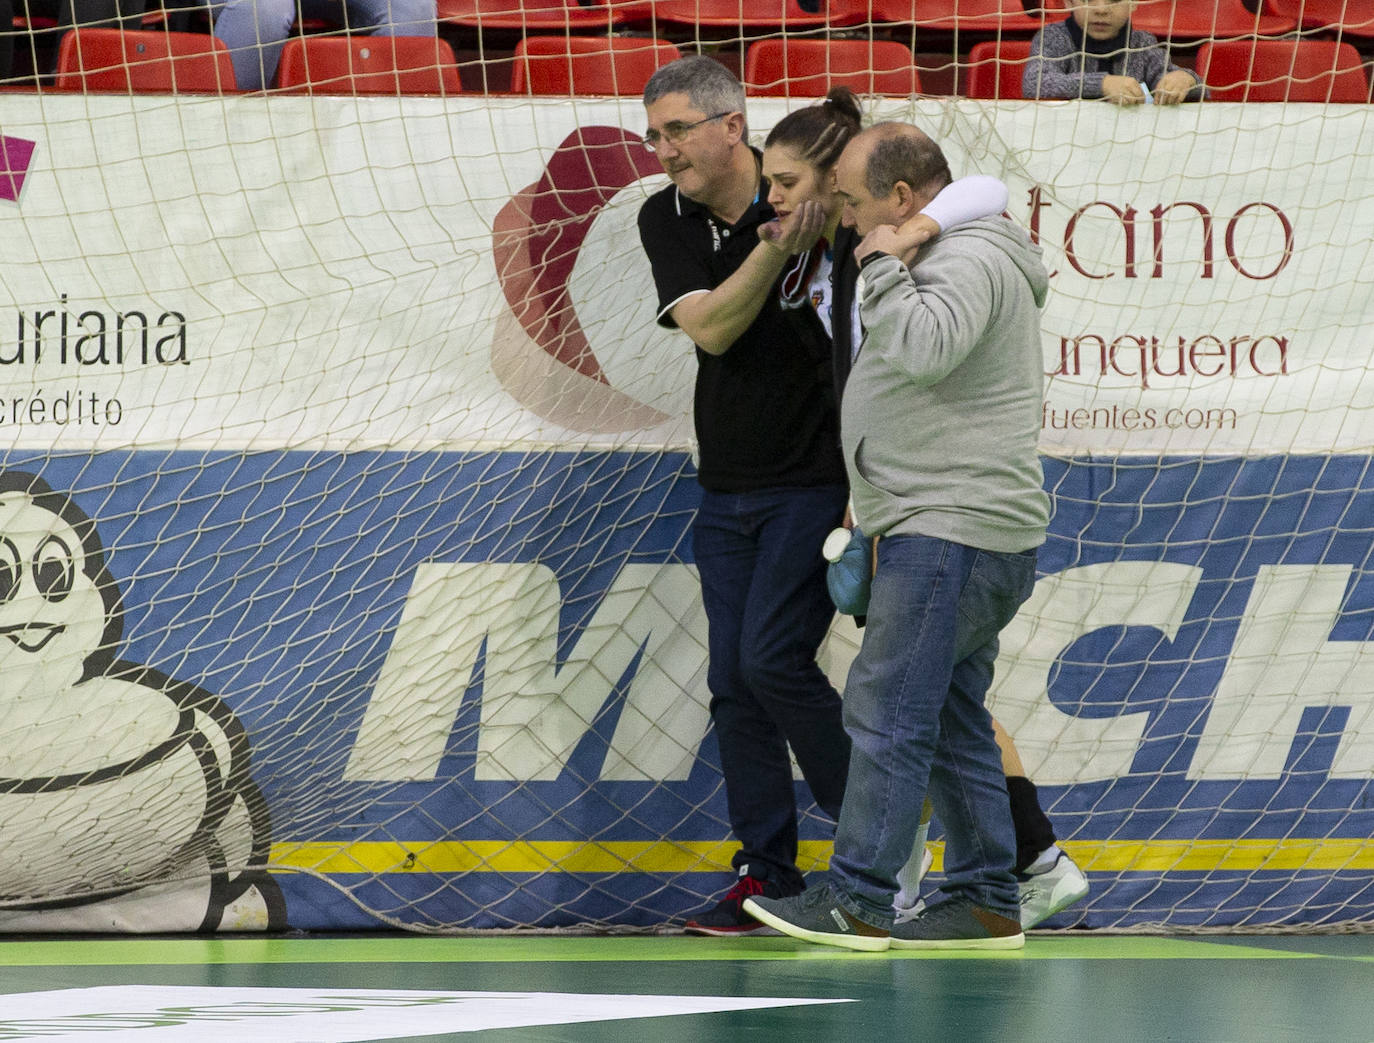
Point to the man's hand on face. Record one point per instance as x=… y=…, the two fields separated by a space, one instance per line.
x=796 y=232
x=883 y=239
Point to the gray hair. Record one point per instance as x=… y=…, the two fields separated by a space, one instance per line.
x=708 y=84
x=903 y=153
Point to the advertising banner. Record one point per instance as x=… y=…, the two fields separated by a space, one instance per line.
x=346 y=492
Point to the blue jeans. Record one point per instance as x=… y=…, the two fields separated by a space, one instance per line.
x=767 y=609
x=914 y=708
x=255 y=30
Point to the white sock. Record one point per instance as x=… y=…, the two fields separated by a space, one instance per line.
x=1045 y=862
x=909 y=876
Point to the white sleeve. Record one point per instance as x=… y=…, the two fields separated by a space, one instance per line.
x=967 y=199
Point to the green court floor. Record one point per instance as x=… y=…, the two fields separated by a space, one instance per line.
x=1066 y=988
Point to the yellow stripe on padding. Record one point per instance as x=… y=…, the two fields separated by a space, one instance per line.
x=706 y=856
x=505 y=856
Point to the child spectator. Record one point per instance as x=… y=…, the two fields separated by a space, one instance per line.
x=1095 y=54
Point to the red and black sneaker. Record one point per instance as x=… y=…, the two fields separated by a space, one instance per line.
x=727 y=918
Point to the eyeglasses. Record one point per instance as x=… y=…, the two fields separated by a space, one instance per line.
x=675 y=133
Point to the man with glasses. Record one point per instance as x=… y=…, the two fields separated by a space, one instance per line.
x=772 y=478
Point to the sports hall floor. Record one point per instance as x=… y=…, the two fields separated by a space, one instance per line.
x=1066 y=987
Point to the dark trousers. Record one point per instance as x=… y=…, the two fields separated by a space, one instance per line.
x=763 y=586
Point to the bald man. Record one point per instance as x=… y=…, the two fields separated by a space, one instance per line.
x=940 y=421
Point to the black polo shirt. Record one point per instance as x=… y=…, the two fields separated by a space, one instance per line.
x=764 y=410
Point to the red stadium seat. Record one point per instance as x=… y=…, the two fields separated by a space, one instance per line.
x=996 y=68
x=136 y=60
x=538 y=15
x=967 y=15
x=759 y=14
x=1352 y=17
x=1199 y=19
x=368 y=65
x=33 y=23
x=809 y=68
x=587 y=64
x=1283 y=70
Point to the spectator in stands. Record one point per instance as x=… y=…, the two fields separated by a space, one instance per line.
x=256 y=30
x=799 y=159
x=940 y=421
x=1095 y=53
x=115 y=14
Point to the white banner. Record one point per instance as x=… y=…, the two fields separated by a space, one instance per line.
x=293 y=272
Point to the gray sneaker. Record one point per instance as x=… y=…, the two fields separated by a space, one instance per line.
x=1045 y=894
x=815 y=916
x=957 y=923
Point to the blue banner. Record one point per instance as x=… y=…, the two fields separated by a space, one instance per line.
x=262 y=595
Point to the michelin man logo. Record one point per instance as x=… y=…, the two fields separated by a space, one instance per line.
x=125 y=797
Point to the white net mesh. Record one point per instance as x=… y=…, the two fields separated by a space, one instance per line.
x=344 y=564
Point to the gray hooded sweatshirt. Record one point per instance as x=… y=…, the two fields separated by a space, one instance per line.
x=941 y=414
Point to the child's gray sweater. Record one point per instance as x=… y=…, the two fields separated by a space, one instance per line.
x=1060 y=67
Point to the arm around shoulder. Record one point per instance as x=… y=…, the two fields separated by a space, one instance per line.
x=962 y=201
x=968 y=199
x=925 y=331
